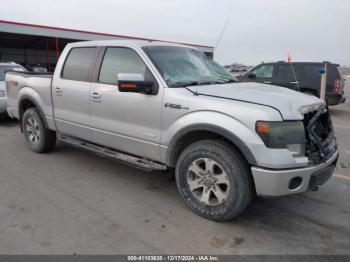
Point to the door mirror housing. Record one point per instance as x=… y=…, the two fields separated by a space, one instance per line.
x=136 y=83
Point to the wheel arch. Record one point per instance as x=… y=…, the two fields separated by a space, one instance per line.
x=197 y=132
x=24 y=104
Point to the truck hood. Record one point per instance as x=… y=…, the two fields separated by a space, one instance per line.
x=288 y=102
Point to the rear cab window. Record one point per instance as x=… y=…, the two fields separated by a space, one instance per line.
x=79 y=63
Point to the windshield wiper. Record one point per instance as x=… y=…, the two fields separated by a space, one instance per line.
x=185 y=83
x=230 y=81
x=194 y=83
x=227 y=80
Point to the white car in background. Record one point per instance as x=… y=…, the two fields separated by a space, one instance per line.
x=5 y=66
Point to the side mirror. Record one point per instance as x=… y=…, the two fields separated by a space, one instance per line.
x=136 y=83
x=252 y=76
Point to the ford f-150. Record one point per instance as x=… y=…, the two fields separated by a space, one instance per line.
x=162 y=106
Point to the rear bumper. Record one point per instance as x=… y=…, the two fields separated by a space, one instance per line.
x=335 y=99
x=270 y=182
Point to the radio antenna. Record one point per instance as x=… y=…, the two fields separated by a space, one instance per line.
x=221 y=34
x=217 y=43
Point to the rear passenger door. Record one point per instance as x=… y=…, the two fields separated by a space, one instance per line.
x=128 y=122
x=71 y=93
x=287 y=75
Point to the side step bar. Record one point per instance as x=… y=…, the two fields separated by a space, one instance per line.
x=141 y=163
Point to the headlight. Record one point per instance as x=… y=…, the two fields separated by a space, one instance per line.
x=310 y=108
x=2 y=93
x=290 y=135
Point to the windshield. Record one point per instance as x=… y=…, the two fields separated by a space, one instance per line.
x=4 y=68
x=181 y=66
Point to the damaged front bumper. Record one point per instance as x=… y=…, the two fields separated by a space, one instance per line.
x=272 y=182
x=322 y=152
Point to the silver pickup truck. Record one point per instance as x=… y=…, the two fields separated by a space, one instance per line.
x=162 y=106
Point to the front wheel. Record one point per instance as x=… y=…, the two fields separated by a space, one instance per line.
x=214 y=180
x=40 y=139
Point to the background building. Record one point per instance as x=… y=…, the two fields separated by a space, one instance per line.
x=32 y=44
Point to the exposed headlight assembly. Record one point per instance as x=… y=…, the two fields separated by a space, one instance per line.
x=310 y=108
x=288 y=134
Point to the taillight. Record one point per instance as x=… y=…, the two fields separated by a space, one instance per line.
x=336 y=86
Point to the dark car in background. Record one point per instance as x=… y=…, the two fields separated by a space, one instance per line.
x=6 y=66
x=300 y=76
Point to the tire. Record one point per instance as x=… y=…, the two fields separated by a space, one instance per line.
x=39 y=138
x=229 y=175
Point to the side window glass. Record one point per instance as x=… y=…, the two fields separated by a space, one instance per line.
x=264 y=71
x=285 y=73
x=78 y=63
x=120 y=60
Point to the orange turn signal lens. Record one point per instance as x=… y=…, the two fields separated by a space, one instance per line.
x=262 y=128
x=128 y=86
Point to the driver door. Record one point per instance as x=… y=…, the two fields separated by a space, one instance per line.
x=128 y=122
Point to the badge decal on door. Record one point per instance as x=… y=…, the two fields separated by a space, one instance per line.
x=175 y=106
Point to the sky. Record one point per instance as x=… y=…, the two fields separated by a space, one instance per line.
x=257 y=30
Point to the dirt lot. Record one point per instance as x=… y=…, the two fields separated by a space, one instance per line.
x=71 y=201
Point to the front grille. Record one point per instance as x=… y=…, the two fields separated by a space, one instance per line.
x=321 y=143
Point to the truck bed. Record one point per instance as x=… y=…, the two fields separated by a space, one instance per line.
x=31 y=84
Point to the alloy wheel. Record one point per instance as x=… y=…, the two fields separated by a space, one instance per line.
x=32 y=130
x=208 y=181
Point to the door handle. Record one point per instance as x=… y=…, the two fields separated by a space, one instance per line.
x=96 y=95
x=294 y=82
x=267 y=82
x=58 y=91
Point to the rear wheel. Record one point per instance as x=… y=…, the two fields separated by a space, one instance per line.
x=40 y=139
x=214 y=180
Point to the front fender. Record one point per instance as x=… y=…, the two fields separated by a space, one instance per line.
x=230 y=128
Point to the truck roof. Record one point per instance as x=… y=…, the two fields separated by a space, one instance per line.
x=300 y=62
x=135 y=43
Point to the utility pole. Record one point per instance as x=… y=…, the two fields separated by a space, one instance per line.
x=323 y=82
